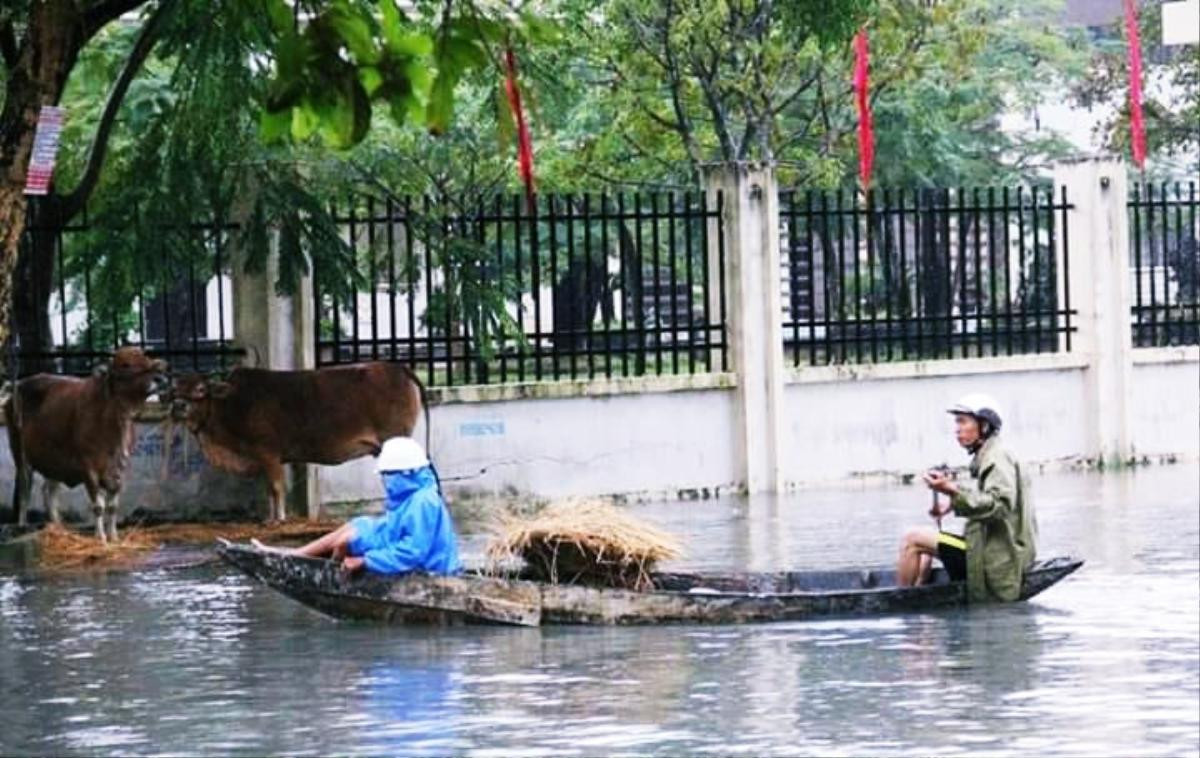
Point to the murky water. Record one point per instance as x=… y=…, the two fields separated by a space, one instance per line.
x=203 y=661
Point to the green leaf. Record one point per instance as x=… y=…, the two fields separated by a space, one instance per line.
x=371 y=79
x=355 y=32
x=539 y=30
x=393 y=29
x=420 y=78
x=283 y=94
x=465 y=53
x=361 y=102
x=413 y=45
x=274 y=126
x=506 y=126
x=291 y=54
x=282 y=20
x=441 y=102
x=304 y=120
x=346 y=119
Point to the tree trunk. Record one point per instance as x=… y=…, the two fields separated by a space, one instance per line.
x=34 y=285
x=53 y=38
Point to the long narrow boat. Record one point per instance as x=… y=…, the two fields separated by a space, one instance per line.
x=701 y=598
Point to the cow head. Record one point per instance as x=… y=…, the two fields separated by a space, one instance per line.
x=194 y=395
x=134 y=376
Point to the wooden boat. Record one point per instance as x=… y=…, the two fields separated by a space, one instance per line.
x=702 y=598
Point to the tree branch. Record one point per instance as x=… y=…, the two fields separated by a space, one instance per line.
x=8 y=44
x=100 y=14
x=75 y=200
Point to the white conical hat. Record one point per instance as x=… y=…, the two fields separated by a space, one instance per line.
x=401 y=454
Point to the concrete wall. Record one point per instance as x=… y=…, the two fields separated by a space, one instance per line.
x=1165 y=402
x=167 y=479
x=888 y=419
x=668 y=436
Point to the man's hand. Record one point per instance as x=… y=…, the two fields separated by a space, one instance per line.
x=939 y=482
x=351 y=564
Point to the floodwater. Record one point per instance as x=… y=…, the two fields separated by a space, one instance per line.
x=202 y=661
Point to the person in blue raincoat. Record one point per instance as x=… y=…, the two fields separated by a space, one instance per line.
x=415 y=532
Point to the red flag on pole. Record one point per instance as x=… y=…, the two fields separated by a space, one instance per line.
x=866 y=128
x=524 y=144
x=1137 y=126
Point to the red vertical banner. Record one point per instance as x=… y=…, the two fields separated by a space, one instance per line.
x=1137 y=125
x=866 y=128
x=524 y=143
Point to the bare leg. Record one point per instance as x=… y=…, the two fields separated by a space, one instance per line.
x=50 y=490
x=333 y=543
x=916 y=554
x=925 y=567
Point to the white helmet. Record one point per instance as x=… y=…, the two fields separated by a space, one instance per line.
x=981 y=406
x=401 y=454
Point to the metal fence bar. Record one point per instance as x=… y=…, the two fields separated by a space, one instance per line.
x=1164 y=239
x=963 y=296
x=570 y=244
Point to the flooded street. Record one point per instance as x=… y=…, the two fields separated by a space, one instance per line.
x=204 y=661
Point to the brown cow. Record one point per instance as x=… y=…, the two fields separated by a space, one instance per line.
x=259 y=420
x=80 y=431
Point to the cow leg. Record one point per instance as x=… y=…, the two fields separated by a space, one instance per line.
x=114 y=501
x=98 y=497
x=274 y=472
x=50 y=490
x=22 y=491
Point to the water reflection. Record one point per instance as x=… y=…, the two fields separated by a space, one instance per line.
x=205 y=662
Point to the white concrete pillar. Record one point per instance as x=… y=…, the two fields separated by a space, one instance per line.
x=277 y=333
x=753 y=315
x=1098 y=256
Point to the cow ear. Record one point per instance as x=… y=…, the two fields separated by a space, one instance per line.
x=220 y=389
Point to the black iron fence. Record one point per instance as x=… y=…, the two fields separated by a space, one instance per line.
x=480 y=290
x=899 y=275
x=84 y=288
x=1165 y=264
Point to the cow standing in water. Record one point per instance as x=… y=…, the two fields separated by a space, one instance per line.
x=258 y=420
x=79 y=431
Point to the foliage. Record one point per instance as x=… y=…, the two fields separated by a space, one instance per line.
x=1171 y=95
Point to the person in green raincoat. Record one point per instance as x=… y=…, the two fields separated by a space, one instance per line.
x=998 y=546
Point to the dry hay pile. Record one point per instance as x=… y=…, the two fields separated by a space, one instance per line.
x=590 y=542
x=61 y=549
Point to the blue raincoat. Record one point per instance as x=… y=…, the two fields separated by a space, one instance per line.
x=414 y=534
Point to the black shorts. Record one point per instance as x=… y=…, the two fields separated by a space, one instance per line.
x=952 y=552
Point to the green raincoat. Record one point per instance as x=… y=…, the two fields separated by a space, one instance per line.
x=1001 y=528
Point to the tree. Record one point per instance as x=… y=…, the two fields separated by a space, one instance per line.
x=329 y=61
x=1171 y=99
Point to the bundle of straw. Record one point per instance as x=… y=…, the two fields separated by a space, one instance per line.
x=588 y=542
x=61 y=549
